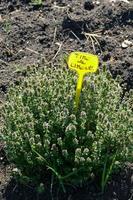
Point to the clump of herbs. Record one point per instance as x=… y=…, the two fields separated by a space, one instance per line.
x=47 y=139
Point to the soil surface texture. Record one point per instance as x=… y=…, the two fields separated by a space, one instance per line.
x=45 y=34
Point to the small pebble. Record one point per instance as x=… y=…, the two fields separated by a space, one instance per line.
x=126 y=43
x=97 y=3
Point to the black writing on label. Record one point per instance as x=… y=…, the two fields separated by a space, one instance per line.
x=83 y=58
x=78 y=66
x=81 y=62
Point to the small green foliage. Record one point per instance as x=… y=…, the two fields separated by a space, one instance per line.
x=36 y=2
x=40 y=188
x=7 y=26
x=46 y=138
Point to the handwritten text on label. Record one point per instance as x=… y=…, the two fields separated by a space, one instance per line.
x=83 y=61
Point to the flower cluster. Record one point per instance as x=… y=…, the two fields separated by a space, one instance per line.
x=45 y=135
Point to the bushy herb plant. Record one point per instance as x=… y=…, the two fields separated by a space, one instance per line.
x=45 y=137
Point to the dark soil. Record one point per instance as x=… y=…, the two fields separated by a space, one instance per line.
x=32 y=34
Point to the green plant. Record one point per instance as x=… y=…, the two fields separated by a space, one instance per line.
x=7 y=26
x=107 y=170
x=36 y=2
x=46 y=139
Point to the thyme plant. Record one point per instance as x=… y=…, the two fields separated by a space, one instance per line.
x=45 y=137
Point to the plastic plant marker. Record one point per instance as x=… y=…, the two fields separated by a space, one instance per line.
x=83 y=63
x=79 y=87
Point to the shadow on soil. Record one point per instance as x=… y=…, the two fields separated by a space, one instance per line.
x=119 y=188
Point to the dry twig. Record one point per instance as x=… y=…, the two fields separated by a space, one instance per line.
x=93 y=37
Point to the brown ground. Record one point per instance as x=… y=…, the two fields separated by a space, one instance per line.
x=30 y=34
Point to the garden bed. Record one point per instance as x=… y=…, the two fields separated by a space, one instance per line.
x=45 y=34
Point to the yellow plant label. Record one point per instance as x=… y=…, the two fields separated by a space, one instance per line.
x=83 y=63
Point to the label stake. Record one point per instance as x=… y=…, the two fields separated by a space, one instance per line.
x=83 y=63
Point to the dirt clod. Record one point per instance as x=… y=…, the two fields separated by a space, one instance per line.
x=89 y=5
